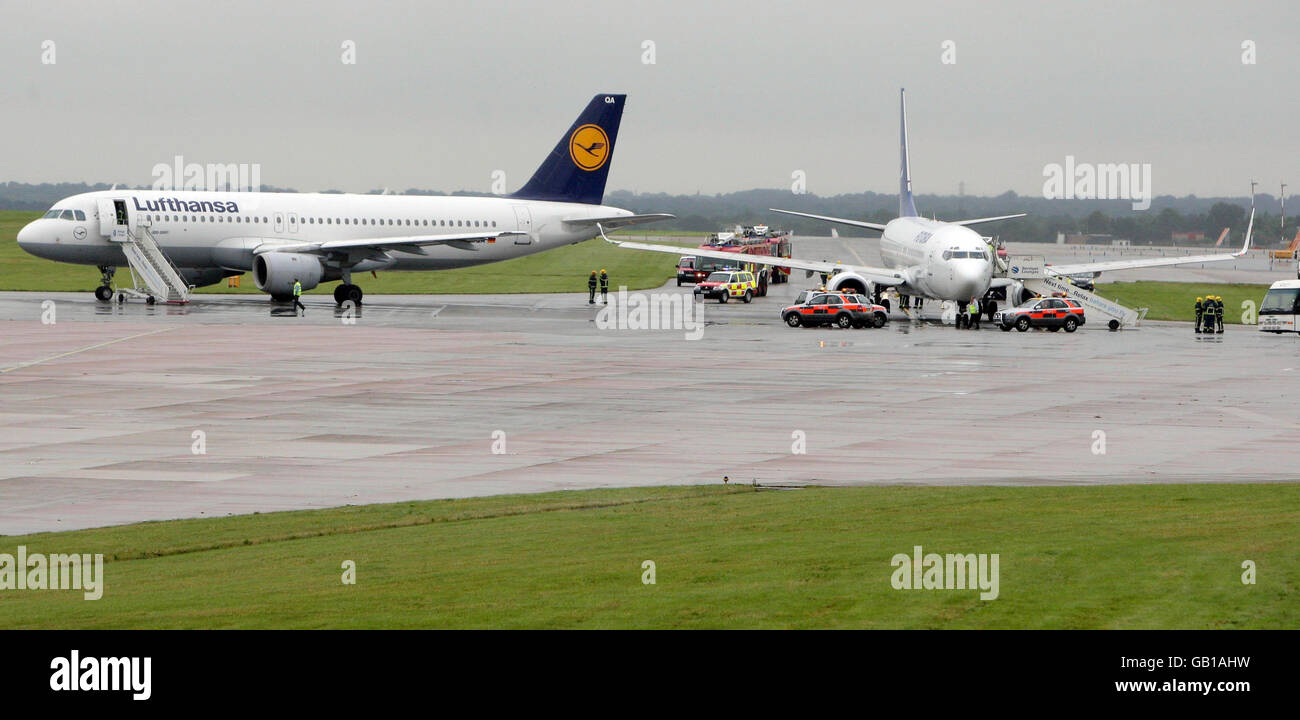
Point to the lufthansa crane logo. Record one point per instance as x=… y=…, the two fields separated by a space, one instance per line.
x=589 y=147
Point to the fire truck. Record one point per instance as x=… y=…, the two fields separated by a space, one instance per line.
x=744 y=240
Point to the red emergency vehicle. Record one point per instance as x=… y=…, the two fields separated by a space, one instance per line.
x=745 y=240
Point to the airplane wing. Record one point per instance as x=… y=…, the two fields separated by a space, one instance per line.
x=879 y=276
x=977 y=221
x=410 y=243
x=617 y=221
x=842 y=221
x=1099 y=267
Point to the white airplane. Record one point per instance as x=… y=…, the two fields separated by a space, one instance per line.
x=315 y=238
x=930 y=258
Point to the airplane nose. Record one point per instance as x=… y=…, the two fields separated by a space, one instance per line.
x=968 y=279
x=26 y=237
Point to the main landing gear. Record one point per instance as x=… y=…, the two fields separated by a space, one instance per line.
x=347 y=292
x=104 y=293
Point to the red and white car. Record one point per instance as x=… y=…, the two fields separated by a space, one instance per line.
x=1052 y=313
x=833 y=308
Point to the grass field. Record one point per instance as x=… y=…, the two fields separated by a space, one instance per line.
x=1136 y=556
x=562 y=270
x=1174 y=300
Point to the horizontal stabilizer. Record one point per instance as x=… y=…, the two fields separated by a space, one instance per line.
x=617 y=221
x=978 y=221
x=842 y=221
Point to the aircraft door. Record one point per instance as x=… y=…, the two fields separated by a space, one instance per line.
x=107 y=216
x=524 y=222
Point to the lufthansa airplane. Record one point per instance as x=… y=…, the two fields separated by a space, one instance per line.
x=929 y=258
x=315 y=238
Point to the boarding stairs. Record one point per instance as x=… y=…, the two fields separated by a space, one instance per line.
x=1038 y=278
x=152 y=272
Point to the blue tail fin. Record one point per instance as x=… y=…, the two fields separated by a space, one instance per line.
x=576 y=169
x=906 y=207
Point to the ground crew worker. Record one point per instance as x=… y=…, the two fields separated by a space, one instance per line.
x=917 y=301
x=1218 y=311
x=297 y=297
x=591 y=288
x=961 y=316
x=1200 y=312
x=604 y=286
x=973 y=311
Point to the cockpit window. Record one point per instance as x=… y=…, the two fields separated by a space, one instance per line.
x=52 y=214
x=81 y=215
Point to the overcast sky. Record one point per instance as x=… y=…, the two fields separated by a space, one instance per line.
x=741 y=95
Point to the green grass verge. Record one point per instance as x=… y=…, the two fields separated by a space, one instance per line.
x=1137 y=556
x=1175 y=300
x=561 y=270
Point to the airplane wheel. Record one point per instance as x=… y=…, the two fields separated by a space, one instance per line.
x=103 y=293
x=353 y=293
x=792 y=320
x=338 y=294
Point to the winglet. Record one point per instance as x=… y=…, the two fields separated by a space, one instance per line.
x=1249 y=227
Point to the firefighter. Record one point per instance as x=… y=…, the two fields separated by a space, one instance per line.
x=973 y=312
x=1200 y=312
x=297 y=297
x=1210 y=310
x=591 y=288
x=1218 y=311
x=604 y=286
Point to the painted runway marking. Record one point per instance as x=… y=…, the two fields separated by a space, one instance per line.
x=20 y=366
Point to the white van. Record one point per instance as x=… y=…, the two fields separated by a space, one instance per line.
x=1281 y=307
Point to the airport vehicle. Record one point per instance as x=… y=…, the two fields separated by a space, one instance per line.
x=184 y=238
x=1280 y=311
x=691 y=269
x=743 y=241
x=840 y=309
x=1287 y=253
x=1051 y=313
x=725 y=284
x=930 y=258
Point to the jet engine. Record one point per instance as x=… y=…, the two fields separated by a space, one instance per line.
x=275 y=272
x=849 y=282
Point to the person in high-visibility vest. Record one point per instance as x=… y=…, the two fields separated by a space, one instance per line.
x=973 y=310
x=297 y=297
x=591 y=288
x=1200 y=313
x=604 y=286
x=1218 y=311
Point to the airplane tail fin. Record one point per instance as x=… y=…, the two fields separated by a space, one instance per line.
x=906 y=206
x=576 y=169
